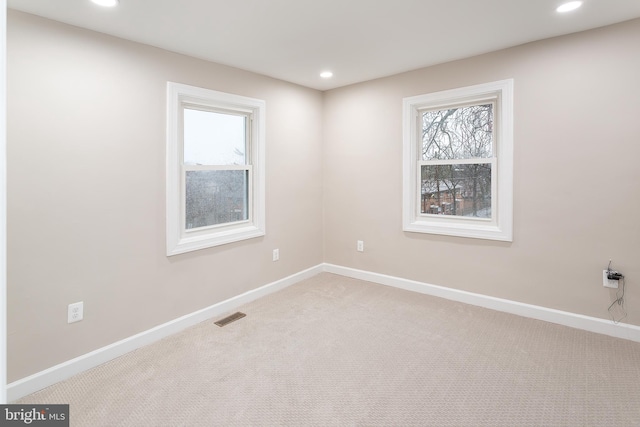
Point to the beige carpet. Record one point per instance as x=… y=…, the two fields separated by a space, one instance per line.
x=332 y=351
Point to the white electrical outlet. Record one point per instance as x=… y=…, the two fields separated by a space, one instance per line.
x=276 y=254
x=608 y=283
x=360 y=246
x=75 y=312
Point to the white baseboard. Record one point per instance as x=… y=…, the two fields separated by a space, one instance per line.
x=578 y=321
x=40 y=380
x=63 y=371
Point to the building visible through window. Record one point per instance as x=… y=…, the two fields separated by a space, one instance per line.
x=448 y=186
x=458 y=162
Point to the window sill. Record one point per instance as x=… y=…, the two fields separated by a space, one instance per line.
x=457 y=229
x=194 y=243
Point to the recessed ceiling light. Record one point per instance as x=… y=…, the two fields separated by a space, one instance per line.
x=568 y=7
x=106 y=3
x=326 y=74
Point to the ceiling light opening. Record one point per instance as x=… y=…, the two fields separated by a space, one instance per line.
x=106 y=3
x=326 y=74
x=568 y=7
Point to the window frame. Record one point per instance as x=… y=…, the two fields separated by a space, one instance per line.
x=179 y=238
x=500 y=226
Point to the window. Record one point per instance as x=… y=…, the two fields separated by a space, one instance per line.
x=458 y=162
x=215 y=168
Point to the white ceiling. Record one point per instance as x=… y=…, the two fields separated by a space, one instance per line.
x=358 y=40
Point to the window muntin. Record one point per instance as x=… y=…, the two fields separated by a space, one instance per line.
x=458 y=154
x=215 y=168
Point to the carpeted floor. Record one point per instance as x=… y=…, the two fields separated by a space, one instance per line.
x=333 y=351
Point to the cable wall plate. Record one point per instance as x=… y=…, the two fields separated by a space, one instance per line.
x=608 y=283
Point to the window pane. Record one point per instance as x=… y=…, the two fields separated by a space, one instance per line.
x=458 y=189
x=216 y=197
x=212 y=138
x=458 y=133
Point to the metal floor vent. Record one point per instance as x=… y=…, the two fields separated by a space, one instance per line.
x=229 y=319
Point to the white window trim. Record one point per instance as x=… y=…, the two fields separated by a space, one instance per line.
x=501 y=225
x=178 y=239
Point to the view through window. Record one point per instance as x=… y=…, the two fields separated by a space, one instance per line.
x=457 y=147
x=216 y=168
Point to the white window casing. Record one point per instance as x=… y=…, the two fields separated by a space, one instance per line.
x=500 y=225
x=179 y=238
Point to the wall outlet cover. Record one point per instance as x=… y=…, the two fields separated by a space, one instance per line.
x=75 y=312
x=608 y=283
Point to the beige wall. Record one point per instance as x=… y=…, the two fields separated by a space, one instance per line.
x=576 y=201
x=86 y=209
x=86 y=183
